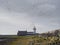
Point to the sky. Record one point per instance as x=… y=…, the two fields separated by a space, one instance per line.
x=24 y=14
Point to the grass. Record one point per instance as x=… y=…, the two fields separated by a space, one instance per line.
x=35 y=40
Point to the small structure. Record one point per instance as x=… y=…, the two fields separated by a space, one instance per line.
x=34 y=30
x=24 y=33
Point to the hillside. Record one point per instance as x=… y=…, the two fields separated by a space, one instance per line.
x=35 y=40
x=51 y=38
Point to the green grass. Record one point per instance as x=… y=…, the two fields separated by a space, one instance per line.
x=35 y=40
x=32 y=40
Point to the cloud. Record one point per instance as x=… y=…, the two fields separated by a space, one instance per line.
x=43 y=10
x=45 y=14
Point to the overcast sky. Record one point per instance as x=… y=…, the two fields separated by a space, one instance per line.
x=24 y=14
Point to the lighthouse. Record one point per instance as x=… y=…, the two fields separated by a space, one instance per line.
x=34 y=28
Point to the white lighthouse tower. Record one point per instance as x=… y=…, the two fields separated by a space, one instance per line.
x=34 y=28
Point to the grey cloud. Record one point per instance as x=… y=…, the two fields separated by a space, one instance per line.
x=42 y=12
x=34 y=7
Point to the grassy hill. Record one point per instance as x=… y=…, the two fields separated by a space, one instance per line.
x=35 y=40
x=52 y=38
